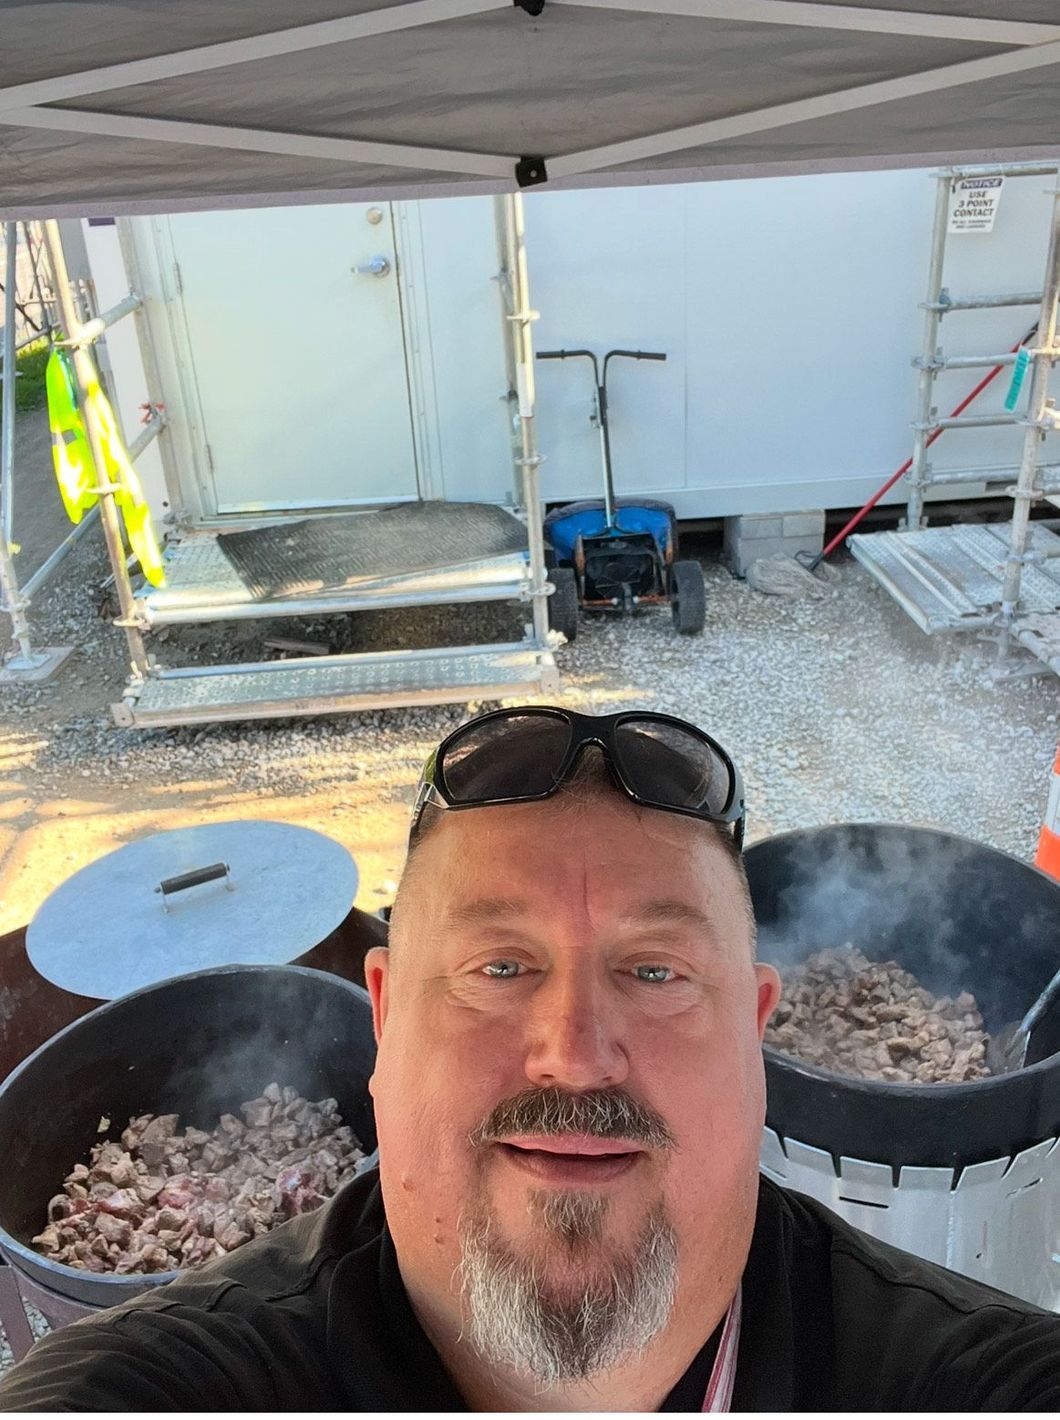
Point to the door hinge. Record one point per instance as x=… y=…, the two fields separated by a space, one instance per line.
x=209 y=457
x=178 y=278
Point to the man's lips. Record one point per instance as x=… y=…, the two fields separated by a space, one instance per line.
x=570 y=1158
x=587 y=1144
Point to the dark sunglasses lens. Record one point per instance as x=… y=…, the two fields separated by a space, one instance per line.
x=669 y=765
x=514 y=756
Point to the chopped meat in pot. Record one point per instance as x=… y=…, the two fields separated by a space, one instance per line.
x=874 y=1020
x=161 y=1199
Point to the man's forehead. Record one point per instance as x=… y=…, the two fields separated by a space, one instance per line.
x=593 y=822
x=527 y=871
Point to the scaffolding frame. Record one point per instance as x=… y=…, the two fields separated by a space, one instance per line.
x=1035 y=480
x=332 y=683
x=932 y=361
x=26 y=663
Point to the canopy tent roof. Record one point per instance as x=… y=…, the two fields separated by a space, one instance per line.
x=110 y=106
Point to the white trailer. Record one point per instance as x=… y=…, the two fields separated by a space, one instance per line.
x=297 y=376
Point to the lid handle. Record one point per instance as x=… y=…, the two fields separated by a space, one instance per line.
x=193 y=879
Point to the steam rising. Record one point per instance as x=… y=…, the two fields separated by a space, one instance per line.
x=957 y=915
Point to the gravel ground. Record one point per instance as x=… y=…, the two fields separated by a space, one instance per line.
x=836 y=709
x=40 y=1328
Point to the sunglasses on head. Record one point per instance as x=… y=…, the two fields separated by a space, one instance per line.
x=522 y=755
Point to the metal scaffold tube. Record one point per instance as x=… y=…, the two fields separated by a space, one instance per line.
x=13 y=603
x=926 y=383
x=85 y=370
x=520 y=319
x=1038 y=422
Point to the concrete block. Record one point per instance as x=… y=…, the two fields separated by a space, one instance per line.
x=749 y=552
x=748 y=537
x=758 y=524
x=804 y=524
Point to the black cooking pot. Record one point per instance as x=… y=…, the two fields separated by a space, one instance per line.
x=196 y=1045
x=960 y=917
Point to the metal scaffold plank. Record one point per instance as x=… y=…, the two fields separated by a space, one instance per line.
x=950 y=579
x=202 y=586
x=331 y=684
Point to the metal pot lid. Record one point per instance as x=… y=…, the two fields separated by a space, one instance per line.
x=247 y=892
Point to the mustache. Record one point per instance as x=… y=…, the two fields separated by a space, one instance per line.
x=605 y=1114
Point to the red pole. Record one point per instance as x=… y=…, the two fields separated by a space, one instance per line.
x=909 y=462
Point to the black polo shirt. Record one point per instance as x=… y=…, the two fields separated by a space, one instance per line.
x=314 y=1317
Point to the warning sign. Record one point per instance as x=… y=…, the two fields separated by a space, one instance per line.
x=973 y=203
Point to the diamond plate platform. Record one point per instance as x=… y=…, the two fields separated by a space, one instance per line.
x=330 y=554
x=202 y=585
x=950 y=579
x=320 y=685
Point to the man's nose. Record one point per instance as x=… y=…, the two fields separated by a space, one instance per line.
x=575 y=1036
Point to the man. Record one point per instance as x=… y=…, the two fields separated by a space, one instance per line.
x=569 y=1094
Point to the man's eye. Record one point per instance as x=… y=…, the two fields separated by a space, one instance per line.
x=654 y=973
x=504 y=970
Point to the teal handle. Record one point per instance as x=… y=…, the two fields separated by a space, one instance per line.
x=1019 y=370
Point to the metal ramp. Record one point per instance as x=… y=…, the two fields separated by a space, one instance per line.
x=951 y=579
x=334 y=684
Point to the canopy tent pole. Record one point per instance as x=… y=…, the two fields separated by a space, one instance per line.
x=85 y=370
x=520 y=320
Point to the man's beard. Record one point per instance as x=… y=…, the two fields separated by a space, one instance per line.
x=520 y=1319
x=614 y=1303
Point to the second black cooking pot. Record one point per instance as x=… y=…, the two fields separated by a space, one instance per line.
x=196 y=1045
x=961 y=917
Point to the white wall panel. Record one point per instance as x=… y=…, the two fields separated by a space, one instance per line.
x=792 y=308
x=789 y=309
x=466 y=339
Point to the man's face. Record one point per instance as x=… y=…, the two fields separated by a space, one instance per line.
x=548 y=957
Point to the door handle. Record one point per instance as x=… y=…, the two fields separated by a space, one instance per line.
x=378 y=266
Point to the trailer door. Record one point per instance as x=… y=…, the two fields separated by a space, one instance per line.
x=297 y=351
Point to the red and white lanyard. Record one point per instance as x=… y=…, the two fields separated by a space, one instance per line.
x=718 y=1399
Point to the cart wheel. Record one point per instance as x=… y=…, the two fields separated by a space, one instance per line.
x=563 y=603
x=688 y=598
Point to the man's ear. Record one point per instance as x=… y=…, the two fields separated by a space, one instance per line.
x=376 y=978
x=769 y=992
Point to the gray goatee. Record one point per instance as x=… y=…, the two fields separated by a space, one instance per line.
x=611 y=1303
x=518 y=1318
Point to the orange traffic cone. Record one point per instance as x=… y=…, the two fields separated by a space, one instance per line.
x=1048 y=855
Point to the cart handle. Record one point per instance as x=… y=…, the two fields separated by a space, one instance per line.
x=571 y=355
x=629 y=354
